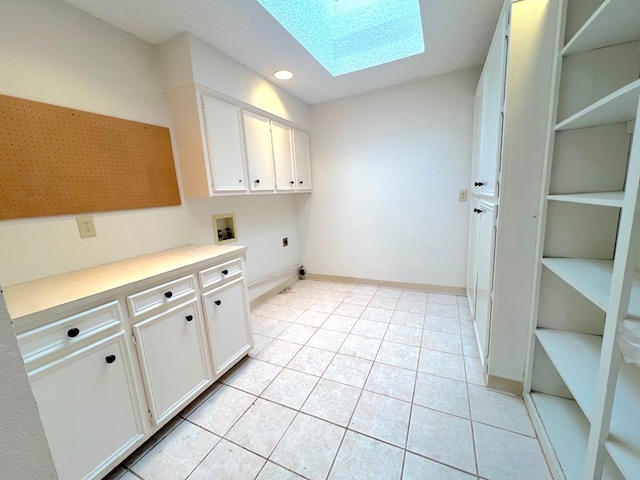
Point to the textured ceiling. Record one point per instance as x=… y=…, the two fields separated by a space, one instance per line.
x=457 y=34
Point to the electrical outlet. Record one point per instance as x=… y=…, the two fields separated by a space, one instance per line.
x=462 y=196
x=285 y=242
x=86 y=227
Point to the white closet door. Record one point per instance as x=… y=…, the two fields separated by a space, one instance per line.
x=494 y=82
x=484 y=283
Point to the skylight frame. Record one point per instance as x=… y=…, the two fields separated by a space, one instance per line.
x=345 y=36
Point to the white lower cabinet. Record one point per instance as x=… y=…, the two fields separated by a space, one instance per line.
x=484 y=268
x=173 y=356
x=482 y=243
x=88 y=407
x=104 y=380
x=227 y=317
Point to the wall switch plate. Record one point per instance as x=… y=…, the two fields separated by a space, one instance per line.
x=285 y=242
x=462 y=196
x=86 y=227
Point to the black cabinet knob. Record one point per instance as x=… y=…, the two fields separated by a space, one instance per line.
x=217 y=302
x=73 y=332
x=168 y=294
x=301 y=182
x=110 y=358
x=292 y=182
x=188 y=318
x=225 y=271
x=478 y=184
x=477 y=210
x=257 y=180
x=240 y=181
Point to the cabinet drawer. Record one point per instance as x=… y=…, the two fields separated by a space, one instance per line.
x=218 y=275
x=69 y=330
x=157 y=297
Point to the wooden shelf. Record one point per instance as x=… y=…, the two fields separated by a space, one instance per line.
x=623 y=443
x=592 y=278
x=605 y=199
x=576 y=357
x=567 y=429
x=618 y=107
x=615 y=22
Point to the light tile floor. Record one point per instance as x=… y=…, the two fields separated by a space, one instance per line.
x=350 y=382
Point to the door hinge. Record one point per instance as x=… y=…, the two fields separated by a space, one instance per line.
x=135 y=340
x=150 y=417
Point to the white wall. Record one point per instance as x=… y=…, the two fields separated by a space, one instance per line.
x=262 y=220
x=387 y=167
x=54 y=53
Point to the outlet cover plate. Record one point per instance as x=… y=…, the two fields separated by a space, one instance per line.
x=86 y=227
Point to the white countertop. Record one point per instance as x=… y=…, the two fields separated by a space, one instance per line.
x=39 y=295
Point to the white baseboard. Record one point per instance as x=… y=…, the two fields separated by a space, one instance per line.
x=423 y=287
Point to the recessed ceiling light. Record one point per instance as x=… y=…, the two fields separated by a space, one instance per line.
x=283 y=75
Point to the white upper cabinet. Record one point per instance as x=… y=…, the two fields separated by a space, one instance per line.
x=223 y=127
x=302 y=160
x=257 y=134
x=283 y=157
x=228 y=148
x=492 y=102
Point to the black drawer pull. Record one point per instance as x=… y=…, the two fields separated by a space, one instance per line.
x=217 y=302
x=225 y=271
x=110 y=358
x=478 y=184
x=477 y=210
x=292 y=182
x=257 y=181
x=188 y=318
x=73 y=332
x=168 y=294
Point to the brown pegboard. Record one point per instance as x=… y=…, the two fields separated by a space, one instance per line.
x=56 y=161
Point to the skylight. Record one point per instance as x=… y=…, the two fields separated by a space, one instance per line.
x=350 y=35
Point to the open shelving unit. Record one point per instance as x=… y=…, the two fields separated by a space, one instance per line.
x=585 y=400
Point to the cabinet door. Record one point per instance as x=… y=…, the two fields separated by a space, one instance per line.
x=484 y=281
x=472 y=268
x=223 y=127
x=87 y=405
x=282 y=156
x=227 y=319
x=492 y=105
x=257 y=136
x=478 y=136
x=172 y=352
x=302 y=160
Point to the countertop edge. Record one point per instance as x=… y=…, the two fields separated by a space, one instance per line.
x=36 y=296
